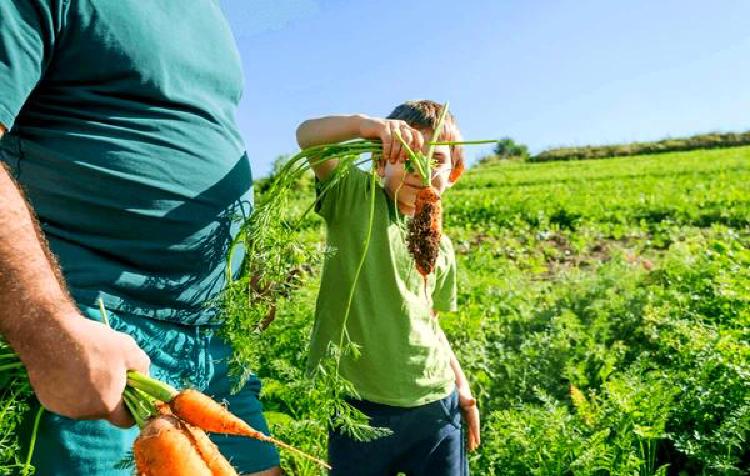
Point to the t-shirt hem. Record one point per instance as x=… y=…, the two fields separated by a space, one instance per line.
x=409 y=402
x=7 y=118
x=206 y=316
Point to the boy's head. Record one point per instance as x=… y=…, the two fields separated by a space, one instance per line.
x=423 y=115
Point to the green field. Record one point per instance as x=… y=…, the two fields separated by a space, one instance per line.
x=604 y=318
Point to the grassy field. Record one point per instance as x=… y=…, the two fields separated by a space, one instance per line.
x=604 y=318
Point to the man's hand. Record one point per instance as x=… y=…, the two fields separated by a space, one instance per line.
x=386 y=130
x=77 y=367
x=470 y=412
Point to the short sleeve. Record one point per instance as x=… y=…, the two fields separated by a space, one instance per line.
x=28 y=29
x=444 y=295
x=343 y=195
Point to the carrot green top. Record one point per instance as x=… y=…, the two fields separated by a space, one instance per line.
x=403 y=361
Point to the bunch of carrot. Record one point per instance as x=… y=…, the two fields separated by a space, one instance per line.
x=173 y=438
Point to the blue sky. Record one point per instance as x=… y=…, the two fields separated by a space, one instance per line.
x=547 y=73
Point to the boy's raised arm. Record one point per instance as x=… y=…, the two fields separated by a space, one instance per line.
x=331 y=129
x=327 y=130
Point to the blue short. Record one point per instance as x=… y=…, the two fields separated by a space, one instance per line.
x=427 y=441
x=181 y=355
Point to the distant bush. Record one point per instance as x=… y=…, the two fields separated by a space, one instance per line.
x=701 y=141
x=507 y=148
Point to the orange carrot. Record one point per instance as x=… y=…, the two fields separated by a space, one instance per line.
x=425 y=230
x=202 y=411
x=210 y=453
x=164 y=449
x=199 y=410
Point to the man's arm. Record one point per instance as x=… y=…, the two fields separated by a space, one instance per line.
x=332 y=129
x=76 y=366
x=466 y=400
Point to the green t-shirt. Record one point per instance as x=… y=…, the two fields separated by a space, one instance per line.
x=403 y=360
x=123 y=135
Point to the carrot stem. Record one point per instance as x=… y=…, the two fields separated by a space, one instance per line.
x=137 y=405
x=154 y=388
x=297 y=451
x=103 y=312
x=15 y=365
x=365 y=248
x=32 y=443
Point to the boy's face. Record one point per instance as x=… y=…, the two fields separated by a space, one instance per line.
x=403 y=186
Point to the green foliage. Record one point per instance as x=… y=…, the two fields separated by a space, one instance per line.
x=507 y=148
x=15 y=404
x=700 y=141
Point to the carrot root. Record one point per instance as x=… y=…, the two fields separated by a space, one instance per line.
x=164 y=449
x=201 y=411
x=210 y=453
x=425 y=230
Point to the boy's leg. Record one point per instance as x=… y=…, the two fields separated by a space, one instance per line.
x=439 y=444
x=248 y=456
x=447 y=458
x=349 y=457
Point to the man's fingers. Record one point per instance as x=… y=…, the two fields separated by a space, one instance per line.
x=121 y=416
x=136 y=359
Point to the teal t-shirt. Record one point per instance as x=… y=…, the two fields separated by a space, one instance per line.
x=123 y=136
x=403 y=360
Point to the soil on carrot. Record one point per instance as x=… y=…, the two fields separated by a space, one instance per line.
x=425 y=230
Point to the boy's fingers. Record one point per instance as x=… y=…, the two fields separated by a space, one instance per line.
x=390 y=140
x=418 y=141
x=395 y=149
x=386 y=147
x=398 y=151
x=471 y=420
x=475 y=429
x=409 y=135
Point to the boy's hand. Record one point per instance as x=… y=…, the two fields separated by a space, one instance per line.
x=386 y=130
x=470 y=413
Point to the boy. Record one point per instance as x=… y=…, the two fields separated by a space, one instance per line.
x=407 y=375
